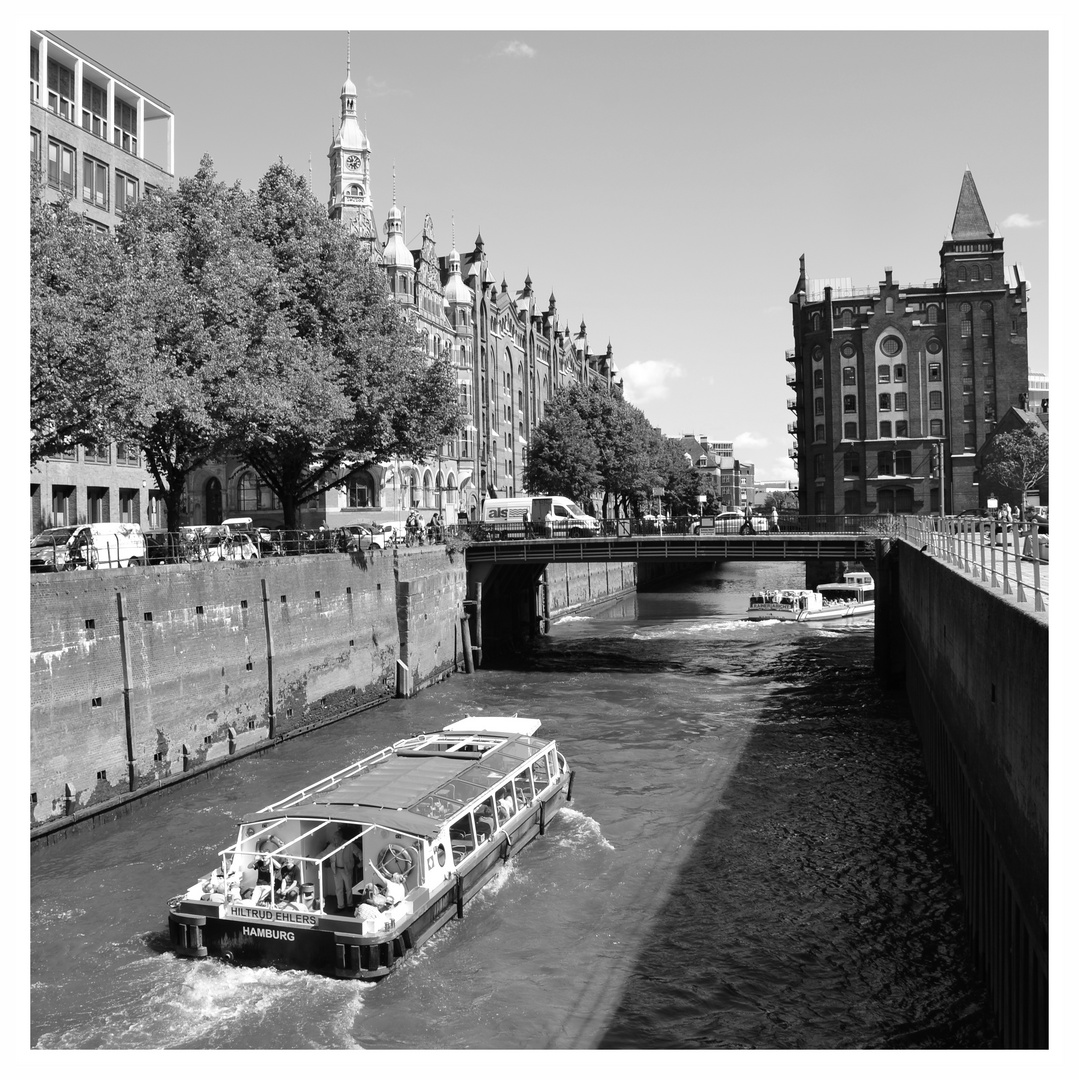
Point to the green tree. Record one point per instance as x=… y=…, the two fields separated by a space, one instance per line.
x=1015 y=462
x=84 y=382
x=562 y=458
x=191 y=262
x=348 y=383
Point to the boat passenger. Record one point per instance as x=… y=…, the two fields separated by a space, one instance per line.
x=485 y=823
x=505 y=804
x=340 y=866
x=292 y=901
x=393 y=886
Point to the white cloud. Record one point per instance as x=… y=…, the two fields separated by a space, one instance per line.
x=516 y=48
x=1020 y=221
x=647 y=380
x=748 y=441
x=379 y=88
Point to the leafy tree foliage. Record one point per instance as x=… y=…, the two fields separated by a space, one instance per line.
x=348 y=383
x=1016 y=461
x=198 y=273
x=562 y=458
x=681 y=481
x=83 y=381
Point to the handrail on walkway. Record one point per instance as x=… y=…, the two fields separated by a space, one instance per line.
x=965 y=542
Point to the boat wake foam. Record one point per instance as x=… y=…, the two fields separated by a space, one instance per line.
x=572 y=618
x=583 y=829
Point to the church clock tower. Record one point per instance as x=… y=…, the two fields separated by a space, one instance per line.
x=350 y=167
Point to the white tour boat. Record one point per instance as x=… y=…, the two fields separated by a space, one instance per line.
x=783 y=603
x=837 y=600
x=350 y=874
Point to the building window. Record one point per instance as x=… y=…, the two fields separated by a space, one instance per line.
x=968 y=441
x=936 y=399
x=61 y=168
x=902 y=463
x=35 y=146
x=818 y=378
x=850 y=430
x=968 y=410
x=852 y=501
x=848 y=376
x=850 y=403
x=964 y=320
x=933 y=346
x=818 y=406
x=253 y=494
x=820 y=504
x=899 y=373
x=818 y=466
x=95 y=109
x=932 y=313
x=359 y=491
x=852 y=463
x=818 y=353
x=934 y=372
x=156 y=513
x=814 y=322
x=991 y=413
x=63 y=504
x=891 y=346
x=885 y=429
x=901 y=429
x=95 y=183
x=900 y=402
x=846 y=318
x=884 y=373
x=127 y=192
x=818 y=434
x=884 y=402
x=129 y=505
x=847 y=349
x=97 y=455
x=128 y=454
x=35 y=76
x=62 y=90
x=962 y=275
x=885 y=463
x=125 y=128
x=987 y=319
x=936 y=428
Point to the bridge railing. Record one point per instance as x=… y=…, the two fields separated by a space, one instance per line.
x=1010 y=556
x=562 y=528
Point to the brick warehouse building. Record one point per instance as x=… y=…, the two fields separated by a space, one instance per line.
x=897 y=387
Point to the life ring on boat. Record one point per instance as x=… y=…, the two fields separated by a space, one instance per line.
x=394 y=859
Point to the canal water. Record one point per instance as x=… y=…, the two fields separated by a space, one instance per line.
x=750 y=861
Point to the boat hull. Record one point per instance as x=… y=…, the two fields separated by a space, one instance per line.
x=329 y=944
x=839 y=611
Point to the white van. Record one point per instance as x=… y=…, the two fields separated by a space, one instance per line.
x=98 y=546
x=566 y=517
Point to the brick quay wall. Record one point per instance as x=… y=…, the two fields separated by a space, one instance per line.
x=147 y=676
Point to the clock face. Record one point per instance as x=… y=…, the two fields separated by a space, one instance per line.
x=352 y=161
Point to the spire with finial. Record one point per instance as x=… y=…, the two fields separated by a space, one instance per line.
x=394 y=174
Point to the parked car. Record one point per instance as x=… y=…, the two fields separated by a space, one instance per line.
x=215 y=543
x=99 y=545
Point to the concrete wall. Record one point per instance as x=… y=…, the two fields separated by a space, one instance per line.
x=141 y=676
x=976 y=674
x=571 y=586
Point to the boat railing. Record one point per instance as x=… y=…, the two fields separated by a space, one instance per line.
x=328 y=782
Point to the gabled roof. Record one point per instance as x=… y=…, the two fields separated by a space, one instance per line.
x=970 y=221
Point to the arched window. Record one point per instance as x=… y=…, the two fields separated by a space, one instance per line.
x=818 y=406
x=884 y=402
x=814 y=320
x=412 y=500
x=850 y=403
x=987 y=319
x=885 y=463
x=900 y=402
x=975 y=274
x=889 y=305
x=252 y=493
x=902 y=463
x=962 y=273
x=846 y=317
x=899 y=373
x=931 y=313
x=964 y=320
x=359 y=490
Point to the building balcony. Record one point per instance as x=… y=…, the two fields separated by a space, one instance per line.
x=792 y=452
x=792 y=428
x=792 y=404
x=790 y=356
x=792 y=380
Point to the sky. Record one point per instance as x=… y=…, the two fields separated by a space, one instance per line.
x=661 y=184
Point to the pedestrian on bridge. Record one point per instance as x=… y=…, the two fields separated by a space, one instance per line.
x=775 y=519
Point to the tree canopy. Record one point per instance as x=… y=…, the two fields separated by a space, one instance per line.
x=1015 y=461
x=222 y=322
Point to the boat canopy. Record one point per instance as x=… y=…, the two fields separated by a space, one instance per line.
x=501 y=725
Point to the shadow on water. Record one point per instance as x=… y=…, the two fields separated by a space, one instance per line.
x=821 y=908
